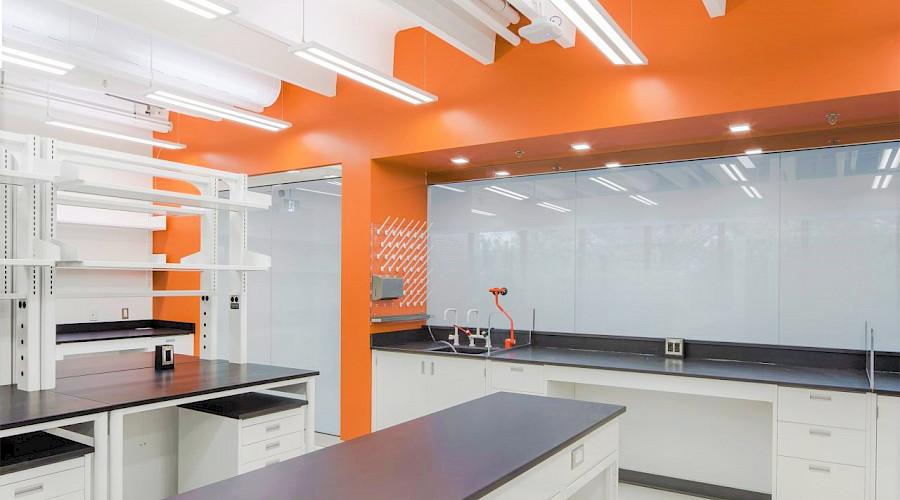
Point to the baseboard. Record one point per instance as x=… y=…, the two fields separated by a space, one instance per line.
x=683 y=486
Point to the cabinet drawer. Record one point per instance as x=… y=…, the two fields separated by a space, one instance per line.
x=830 y=408
x=271 y=447
x=272 y=429
x=45 y=487
x=78 y=495
x=826 y=444
x=800 y=479
x=259 y=464
x=518 y=377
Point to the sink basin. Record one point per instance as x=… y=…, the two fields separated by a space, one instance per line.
x=462 y=349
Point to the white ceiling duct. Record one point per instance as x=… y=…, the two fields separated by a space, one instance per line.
x=116 y=50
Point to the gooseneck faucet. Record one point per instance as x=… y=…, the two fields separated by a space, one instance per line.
x=455 y=335
x=477 y=329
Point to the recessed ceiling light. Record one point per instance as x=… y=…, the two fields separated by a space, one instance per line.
x=613 y=164
x=885 y=156
x=581 y=146
x=746 y=162
x=884 y=185
x=329 y=176
x=752 y=192
x=459 y=160
x=754 y=151
x=501 y=173
x=740 y=127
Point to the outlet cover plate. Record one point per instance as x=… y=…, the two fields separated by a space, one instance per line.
x=674 y=348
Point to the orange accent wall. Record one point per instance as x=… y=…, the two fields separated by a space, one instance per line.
x=762 y=54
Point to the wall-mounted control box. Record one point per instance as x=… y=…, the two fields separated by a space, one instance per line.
x=386 y=287
x=675 y=348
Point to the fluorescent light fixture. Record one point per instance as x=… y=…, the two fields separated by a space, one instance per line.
x=883 y=184
x=581 y=146
x=506 y=192
x=746 y=162
x=885 y=156
x=501 y=173
x=608 y=183
x=613 y=164
x=317 y=192
x=734 y=172
x=481 y=212
x=741 y=127
x=450 y=188
x=245 y=117
x=335 y=183
x=459 y=160
x=33 y=61
x=207 y=9
x=751 y=191
x=553 y=207
x=329 y=176
x=339 y=63
x=896 y=162
x=754 y=151
x=645 y=201
x=113 y=135
x=599 y=27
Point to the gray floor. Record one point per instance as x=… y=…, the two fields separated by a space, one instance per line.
x=630 y=492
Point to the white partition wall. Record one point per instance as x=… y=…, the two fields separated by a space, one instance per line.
x=798 y=248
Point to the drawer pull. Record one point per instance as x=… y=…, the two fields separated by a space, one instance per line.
x=516 y=369
x=423 y=368
x=273 y=428
x=272 y=462
x=820 y=468
x=170 y=340
x=272 y=446
x=820 y=397
x=28 y=490
x=819 y=432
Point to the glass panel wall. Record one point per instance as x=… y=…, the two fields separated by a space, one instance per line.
x=795 y=248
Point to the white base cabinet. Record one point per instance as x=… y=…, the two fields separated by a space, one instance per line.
x=184 y=344
x=68 y=480
x=887 y=471
x=409 y=386
x=212 y=448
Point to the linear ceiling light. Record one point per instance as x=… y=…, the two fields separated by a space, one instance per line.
x=459 y=160
x=740 y=127
x=339 y=63
x=733 y=171
x=247 y=118
x=113 y=135
x=746 y=162
x=754 y=151
x=501 y=173
x=581 y=146
x=751 y=192
x=449 y=188
x=885 y=156
x=608 y=183
x=208 y=9
x=551 y=206
x=506 y=192
x=645 y=201
x=885 y=184
x=896 y=162
x=600 y=28
x=29 y=60
x=481 y=212
x=613 y=164
x=316 y=191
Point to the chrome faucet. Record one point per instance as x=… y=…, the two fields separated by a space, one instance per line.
x=477 y=334
x=455 y=335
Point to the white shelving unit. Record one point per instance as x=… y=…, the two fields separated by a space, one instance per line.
x=37 y=175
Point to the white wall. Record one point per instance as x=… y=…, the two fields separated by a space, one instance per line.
x=28 y=116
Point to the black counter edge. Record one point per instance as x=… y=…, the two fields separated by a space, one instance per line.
x=96 y=326
x=686 y=487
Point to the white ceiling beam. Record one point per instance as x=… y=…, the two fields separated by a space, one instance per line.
x=716 y=8
x=446 y=23
x=221 y=37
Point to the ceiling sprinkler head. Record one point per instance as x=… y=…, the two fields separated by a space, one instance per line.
x=833 y=118
x=520 y=153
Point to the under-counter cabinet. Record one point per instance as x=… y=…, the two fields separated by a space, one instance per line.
x=42 y=466
x=409 y=386
x=887 y=473
x=221 y=438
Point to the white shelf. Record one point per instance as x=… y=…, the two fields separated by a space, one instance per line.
x=154 y=224
x=92 y=294
x=12 y=296
x=160 y=196
x=153 y=266
x=106 y=203
x=27 y=262
x=20 y=178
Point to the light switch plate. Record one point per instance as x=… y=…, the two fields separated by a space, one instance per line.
x=577 y=456
x=674 y=348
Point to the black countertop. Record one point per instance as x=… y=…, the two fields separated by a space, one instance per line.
x=36 y=449
x=436 y=457
x=102 y=383
x=68 y=338
x=246 y=406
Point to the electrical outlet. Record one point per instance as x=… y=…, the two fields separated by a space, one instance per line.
x=675 y=348
x=94 y=315
x=124 y=313
x=577 y=456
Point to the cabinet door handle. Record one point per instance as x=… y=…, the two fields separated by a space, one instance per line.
x=28 y=490
x=820 y=468
x=516 y=369
x=272 y=462
x=272 y=446
x=273 y=428
x=820 y=397
x=432 y=367
x=423 y=368
x=819 y=432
